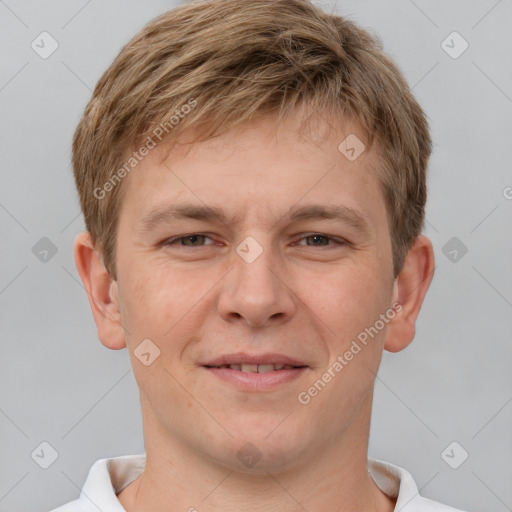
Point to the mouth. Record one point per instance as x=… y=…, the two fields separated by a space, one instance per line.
x=257 y=368
x=256 y=373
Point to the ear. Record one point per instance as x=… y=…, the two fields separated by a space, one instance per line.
x=411 y=286
x=102 y=292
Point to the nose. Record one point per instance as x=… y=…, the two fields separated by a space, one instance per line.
x=257 y=292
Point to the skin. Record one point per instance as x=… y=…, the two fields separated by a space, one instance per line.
x=306 y=297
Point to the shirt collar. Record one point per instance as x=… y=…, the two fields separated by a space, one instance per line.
x=108 y=477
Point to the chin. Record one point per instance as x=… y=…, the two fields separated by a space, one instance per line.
x=260 y=453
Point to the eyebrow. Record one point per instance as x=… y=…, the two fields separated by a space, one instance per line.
x=168 y=214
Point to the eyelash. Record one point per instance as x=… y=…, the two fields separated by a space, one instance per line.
x=336 y=241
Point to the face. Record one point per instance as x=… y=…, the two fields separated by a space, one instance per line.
x=255 y=247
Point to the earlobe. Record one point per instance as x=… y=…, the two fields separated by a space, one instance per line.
x=101 y=291
x=409 y=291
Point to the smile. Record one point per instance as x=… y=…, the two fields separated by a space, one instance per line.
x=257 y=368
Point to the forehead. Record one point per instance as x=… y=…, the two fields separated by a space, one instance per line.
x=263 y=167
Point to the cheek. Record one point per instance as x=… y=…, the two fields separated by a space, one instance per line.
x=350 y=304
x=348 y=296
x=162 y=303
x=147 y=302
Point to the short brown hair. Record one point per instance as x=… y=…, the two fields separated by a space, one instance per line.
x=239 y=59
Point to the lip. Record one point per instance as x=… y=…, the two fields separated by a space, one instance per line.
x=244 y=358
x=250 y=381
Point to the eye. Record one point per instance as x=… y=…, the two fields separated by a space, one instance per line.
x=192 y=240
x=319 y=240
x=199 y=239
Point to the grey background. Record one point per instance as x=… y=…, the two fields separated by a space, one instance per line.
x=60 y=385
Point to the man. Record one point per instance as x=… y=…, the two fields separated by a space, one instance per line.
x=253 y=180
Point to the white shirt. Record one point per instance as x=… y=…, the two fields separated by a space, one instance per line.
x=107 y=477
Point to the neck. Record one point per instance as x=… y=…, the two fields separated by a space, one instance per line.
x=177 y=478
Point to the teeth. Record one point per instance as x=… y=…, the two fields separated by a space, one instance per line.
x=259 y=368
x=264 y=368
x=250 y=368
